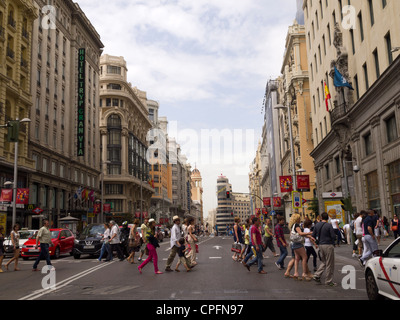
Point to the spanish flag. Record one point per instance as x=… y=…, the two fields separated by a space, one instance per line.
x=327 y=96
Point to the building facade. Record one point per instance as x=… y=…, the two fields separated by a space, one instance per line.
x=197 y=195
x=16 y=28
x=295 y=96
x=224 y=215
x=359 y=42
x=124 y=124
x=241 y=206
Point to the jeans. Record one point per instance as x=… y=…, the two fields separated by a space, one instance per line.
x=249 y=253
x=338 y=236
x=258 y=258
x=284 y=253
x=44 y=253
x=370 y=246
x=105 y=248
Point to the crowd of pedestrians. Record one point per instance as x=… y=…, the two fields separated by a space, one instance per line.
x=310 y=240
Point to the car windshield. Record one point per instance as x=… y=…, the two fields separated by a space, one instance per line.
x=94 y=230
x=394 y=251
x=23 y=235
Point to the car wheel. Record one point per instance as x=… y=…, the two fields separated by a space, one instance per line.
x=25 y=258
x=372 y=287
x=57 y=253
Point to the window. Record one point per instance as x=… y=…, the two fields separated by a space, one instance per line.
x=327 y=173
x=373 y=190
x=367 y=144
x=366 y=76
x=360 y=22
x=389 y=47
x=391 y=130
x=371 y=12
x=113 y=70
x=376 y=59
x=114 y=189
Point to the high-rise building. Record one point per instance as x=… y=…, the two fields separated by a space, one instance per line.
x=197 y=195
x=224 y=216
x=294 y=95
x=124 y=124
x=16 y=25
x=64 y=132
x=356 y=137
x=241 y=206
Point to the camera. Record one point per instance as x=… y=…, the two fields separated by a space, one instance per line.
x=356 y=169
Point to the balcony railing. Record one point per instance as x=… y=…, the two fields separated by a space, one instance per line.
x=338 y=113
x=2 y=33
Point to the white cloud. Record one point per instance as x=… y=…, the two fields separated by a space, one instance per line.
x=205 y=61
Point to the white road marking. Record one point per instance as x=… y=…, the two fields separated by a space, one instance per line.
x=39 y=293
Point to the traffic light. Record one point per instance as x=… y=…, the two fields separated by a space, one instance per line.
x=13 y=131
x=228 y=195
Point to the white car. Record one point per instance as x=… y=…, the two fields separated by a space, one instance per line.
x=24 y=235
x=382 y=273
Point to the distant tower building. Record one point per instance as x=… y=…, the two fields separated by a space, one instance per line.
x=224 y=215
x=197 y=192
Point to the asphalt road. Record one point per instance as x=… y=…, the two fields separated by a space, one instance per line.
x=216 y=277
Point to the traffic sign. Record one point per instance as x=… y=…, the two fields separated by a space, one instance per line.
x=296 y=200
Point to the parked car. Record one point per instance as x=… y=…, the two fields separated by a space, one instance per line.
x=63 y=243
x=24 y=235
x=382 y=273
x=89 y=240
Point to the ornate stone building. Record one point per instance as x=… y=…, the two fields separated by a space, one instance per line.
x=64 y=133
x=16 y=29
x=356 y=141
x=124 y=124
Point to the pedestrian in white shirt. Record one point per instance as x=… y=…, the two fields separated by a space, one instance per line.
x=335 y=224
x=114 y=242
x=175 y=236
x=359 y=231
x=105 y=248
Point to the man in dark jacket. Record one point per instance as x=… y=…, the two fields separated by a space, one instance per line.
x=326 y=237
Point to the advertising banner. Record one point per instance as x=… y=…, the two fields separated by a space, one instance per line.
x=334 y=208
x=286 y=183
x=303 y=183
x=6 y=195
x=22 y=196
x=267 y=202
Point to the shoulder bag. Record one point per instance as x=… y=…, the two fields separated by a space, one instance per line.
x=295 y=237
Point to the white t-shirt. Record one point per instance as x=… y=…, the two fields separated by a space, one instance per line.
x=358 y=226
x=114 y=230
x=335 y=223
x=307 y=241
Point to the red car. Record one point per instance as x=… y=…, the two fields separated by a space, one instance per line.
x=63 y=242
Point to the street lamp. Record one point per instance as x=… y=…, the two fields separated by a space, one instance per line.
x=14 y=131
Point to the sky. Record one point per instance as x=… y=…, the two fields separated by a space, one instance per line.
x=207 y=63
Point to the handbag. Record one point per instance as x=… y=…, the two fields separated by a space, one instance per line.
x=236 y=247
x=295 y=237
x=197 y=248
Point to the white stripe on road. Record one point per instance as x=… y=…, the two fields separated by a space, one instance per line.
x=215 y=257
x=39 y=293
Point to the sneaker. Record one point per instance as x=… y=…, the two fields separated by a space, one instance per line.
x=316 y=279
x=168 y=269
x=278 y=266
x=331 y=284
x=361 y=262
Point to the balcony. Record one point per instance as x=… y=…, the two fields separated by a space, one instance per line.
x=338 y=114
x=2 y=34
x=24 y=63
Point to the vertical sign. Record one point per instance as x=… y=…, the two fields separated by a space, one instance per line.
x=81 y=102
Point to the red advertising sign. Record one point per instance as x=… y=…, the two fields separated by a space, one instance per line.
x=22 y=196
x=97 y=208
x=258 y=212
x=277 y=202
x=286 y=183
x=267 y=202
x=107 y=208
x=6 y=195
x=303 y=183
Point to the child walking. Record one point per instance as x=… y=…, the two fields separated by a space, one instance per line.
x=182 y=258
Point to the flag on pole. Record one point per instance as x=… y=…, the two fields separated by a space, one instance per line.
x=327 y=96
x=340 y=81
